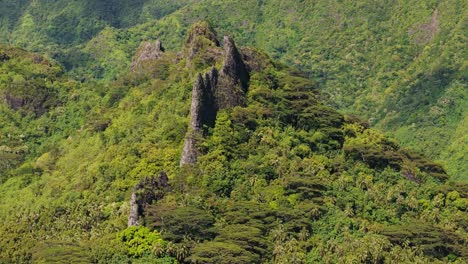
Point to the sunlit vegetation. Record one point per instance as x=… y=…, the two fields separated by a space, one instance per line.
x=292 y=176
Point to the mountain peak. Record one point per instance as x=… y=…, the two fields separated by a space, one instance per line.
x=234 y=66
x=201 y=29
x=200 y=38
x=146 y=52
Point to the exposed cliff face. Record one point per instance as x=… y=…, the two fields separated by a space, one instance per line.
x=144 y=193
x=202 y=113
x=234 y=67
x=134 y=215
x=233 y=82
x=202 y=45
x=214 y=90
x=210 y=110
x=29 y=97
x=199 y=94
x=147 y=52
x=217 y=90
x=198 y=103
x=28 y=82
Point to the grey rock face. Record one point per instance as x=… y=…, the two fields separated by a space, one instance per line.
x=190 y=150
x=133 y=217
x=201 y=113
x=145 y=192
x=196 y=110
x=234 y=78
x=214 y=92
x=210 y=111
x=234 y=67
x=33 y=102
x=146 y=52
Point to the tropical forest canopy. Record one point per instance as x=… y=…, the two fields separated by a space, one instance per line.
x=317 y=132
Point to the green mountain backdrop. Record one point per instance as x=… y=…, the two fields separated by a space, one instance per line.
x=401 y=65
x=133 y=132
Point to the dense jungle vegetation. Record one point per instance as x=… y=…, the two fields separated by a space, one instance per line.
x=296 y=173
x=401 y=65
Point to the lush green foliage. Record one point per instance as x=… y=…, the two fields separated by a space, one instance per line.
x=139 y=240
x=283 y=179
x=399 y=64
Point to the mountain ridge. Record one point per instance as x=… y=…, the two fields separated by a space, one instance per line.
x=281 y=170
x=398 y=65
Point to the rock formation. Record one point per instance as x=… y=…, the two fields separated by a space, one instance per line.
x=144 y=193
x=147 y=52
x=202 y=47
x=202 y=113
x=134 y=215
x=209 y=111
x=213 y=92
x=28 y=97
x=201 y=29
x=190 y=150
x=234 y=78
x=234 y=67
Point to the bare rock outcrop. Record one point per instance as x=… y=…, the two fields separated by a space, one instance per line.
x=28 y=97
x=144 y=193
x=213 y=92
x=202 y=113
x=234 y=78
x=234 y=67
x=202 y=42
x=190 y=150
x=426 y=32
x=134 y=214
x=201 y=29
x=209 y=111
x=147 y=52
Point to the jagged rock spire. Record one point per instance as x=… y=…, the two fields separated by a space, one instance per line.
x=211 y=82
x=196 y=110
x=202 y=113
x=147 y=51
x=190 y=150
x=216 y=91
x=234 y=67
x=233 y=80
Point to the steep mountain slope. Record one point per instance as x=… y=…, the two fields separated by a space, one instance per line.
x=43 y=24
x=221 y=154
x=399 y=64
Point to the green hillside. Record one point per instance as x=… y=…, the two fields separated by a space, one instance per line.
x=328 y=132
x=277 y=176
x=401 y=65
